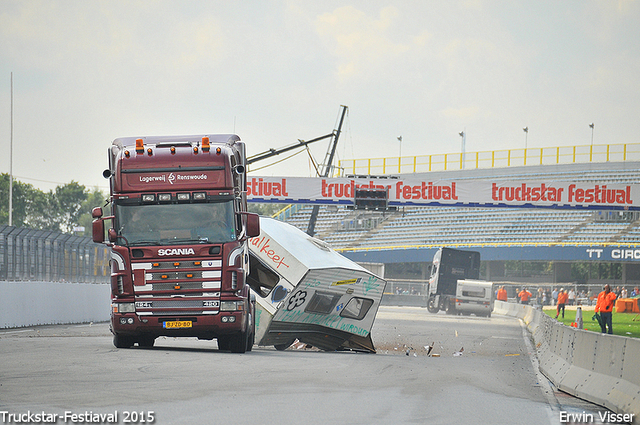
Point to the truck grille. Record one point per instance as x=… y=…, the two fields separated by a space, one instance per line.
x=193 y=284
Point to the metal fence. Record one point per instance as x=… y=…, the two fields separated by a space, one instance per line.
x=491 y=159
x=43 y=255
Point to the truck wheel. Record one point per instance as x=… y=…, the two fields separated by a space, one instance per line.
x=122 y=341
x=223 y=343
x=450 y=309
x=146 y=341
x=431 y=305
x=238 y=342
x=252 y=335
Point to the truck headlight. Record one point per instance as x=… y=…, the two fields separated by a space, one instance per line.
x=230 y=305
x=124 y=308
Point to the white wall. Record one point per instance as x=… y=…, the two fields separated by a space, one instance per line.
x=45 y=303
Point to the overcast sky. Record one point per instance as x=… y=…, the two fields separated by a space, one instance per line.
x=86 y=72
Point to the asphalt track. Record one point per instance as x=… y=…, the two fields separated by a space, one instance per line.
x=480 y=371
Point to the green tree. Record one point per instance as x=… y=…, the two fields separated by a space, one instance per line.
x=22 y=193
x=69 y=199
x=95 y=198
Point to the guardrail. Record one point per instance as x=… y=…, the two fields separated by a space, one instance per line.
x=491 y=159
x=43 y=255
x=603 y=369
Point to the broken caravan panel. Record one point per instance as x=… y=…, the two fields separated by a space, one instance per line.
x=178 y=240
x=306 y=291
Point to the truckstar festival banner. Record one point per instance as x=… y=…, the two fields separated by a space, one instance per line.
x=414 y=190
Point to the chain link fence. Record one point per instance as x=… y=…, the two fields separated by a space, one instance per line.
x=50 y=256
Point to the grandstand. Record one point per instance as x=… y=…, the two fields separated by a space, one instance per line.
x=390 y=236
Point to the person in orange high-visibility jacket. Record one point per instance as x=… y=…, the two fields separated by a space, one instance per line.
x=502 y=294
x=524 y=296
x=562 y=301
x=604 y=306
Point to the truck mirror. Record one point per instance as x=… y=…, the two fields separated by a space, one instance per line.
x=253 y=225
x=113 y=236
x=98 y=229
x=96 y=212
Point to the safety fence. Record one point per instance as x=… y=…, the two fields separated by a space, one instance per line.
x=491 y=159
x=43 y=255
x=603 y=369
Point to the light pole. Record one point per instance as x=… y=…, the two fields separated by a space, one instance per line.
x=462 y=134
x=11 y=161
x=591 y=125
x=526 y=136
x=399 y=154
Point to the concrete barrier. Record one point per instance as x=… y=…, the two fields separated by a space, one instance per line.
x=48 y=303
x=603 y=369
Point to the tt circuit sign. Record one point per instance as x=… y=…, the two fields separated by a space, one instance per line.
x=613 y=254
x=416 y=190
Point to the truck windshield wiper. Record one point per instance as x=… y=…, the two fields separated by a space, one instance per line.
x=170 y=241
x=136 y=243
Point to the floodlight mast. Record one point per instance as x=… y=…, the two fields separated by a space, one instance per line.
x=328 y=166
x=273 y=152
x=301 y=143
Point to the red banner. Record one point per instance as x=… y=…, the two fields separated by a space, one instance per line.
x=414 y=190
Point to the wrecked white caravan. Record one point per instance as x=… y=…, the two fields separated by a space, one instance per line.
x=306 y=291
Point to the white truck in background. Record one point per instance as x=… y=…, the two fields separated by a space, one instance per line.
x=454 y=285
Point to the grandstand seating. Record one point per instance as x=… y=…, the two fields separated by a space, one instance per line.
x=344 y=228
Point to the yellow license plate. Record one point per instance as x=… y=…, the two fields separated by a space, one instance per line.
x=178 y=324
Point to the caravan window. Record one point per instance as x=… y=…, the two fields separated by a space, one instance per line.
x=261 y=278
x=477 y=293
x=357 y=308
x=322 y=303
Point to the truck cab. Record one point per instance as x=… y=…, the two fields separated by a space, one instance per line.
x=179 y=240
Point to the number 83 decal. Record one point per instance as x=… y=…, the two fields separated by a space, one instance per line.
x=297 y=300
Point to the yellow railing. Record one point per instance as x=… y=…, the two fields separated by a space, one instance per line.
x=485 y=245
x=491 y=159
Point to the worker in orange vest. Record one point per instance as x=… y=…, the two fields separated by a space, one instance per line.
x=502 y=294
x=604 y=306
x=524 y=296
x=562 y=301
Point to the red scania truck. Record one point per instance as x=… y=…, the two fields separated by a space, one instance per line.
x=179 y=240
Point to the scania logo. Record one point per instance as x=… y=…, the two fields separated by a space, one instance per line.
x=176 y=251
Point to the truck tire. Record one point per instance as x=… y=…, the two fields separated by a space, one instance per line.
x=122 y=341
x=223 y=343
x=450 y=309
x=432 y=307
x=146 y=341
x=238 y=342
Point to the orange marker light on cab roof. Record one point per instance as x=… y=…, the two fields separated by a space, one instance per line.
x=150 y=152
x=139 y=146
x=195 y=150
x=205 y=144
x=173 y=150
x=218 y=151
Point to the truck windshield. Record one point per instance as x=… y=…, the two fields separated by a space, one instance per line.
x=169 y=224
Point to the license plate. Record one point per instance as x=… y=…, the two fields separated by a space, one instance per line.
x=177 y=324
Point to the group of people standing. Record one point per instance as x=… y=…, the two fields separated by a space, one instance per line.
x=561 y=298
